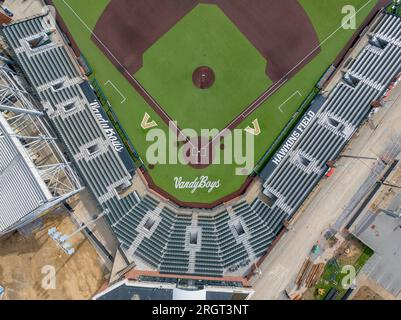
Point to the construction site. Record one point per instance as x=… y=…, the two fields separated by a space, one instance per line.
x=75 y=277
x=323 y=271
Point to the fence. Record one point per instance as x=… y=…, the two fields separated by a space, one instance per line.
x=285 y=132
x=85 y=64
x=114 y=120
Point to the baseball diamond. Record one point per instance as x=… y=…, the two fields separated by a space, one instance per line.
x=209 y=65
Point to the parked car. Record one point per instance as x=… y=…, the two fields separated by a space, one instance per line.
x=8 y=12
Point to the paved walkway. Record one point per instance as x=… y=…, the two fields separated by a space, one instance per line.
x=24 y=8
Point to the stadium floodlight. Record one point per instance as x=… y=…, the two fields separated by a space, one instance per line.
x=56 y=236
x=52 y=231
x=67 y=245
x=61 y=239
x=70 y=251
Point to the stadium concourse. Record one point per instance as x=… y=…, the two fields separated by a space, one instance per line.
x=226 y=242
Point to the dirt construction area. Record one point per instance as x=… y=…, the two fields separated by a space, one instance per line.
x=28 y=261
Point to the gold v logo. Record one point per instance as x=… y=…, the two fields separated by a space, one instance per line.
x=256 y=128
x=146 y=124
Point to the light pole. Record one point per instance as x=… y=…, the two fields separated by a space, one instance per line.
x=61 y=239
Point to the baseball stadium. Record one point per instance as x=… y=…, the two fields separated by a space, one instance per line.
x=284 y=73
x=144 y=60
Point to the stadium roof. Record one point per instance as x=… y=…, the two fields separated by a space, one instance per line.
x=21 y=188
x=34 y=175
x=131 y=290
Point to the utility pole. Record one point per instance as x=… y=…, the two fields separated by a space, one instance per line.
x=392 y=213
x=61 y=239
x=391 y=185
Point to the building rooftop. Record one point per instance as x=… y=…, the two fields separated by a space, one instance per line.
x=382 y=233
x=34 y=175
x=130 y=290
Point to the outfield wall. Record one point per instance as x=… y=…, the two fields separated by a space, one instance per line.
x=293 y=137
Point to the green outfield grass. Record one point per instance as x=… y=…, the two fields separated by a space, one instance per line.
x=205 y=37
x=326 y=17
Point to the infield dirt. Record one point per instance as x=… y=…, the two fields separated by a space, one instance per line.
x=286 y=46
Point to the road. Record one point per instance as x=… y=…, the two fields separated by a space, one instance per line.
x=328 y=202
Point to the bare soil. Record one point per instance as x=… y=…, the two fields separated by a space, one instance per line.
x=130 y=31
x=366 y=293
x=23 y=257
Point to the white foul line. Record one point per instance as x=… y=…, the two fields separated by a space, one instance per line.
x=295 y=93
x=123 y=68
x=113 y=56
x=112 y=84
x=153 y=100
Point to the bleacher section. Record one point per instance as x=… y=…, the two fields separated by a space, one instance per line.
x=219 y=249
x=56 y=78
x=344 y=110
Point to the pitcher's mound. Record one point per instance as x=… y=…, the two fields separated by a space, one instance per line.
x=203 y=77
